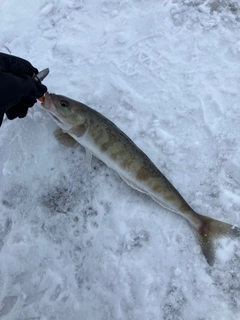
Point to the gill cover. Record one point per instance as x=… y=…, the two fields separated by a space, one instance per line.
x=67 y=111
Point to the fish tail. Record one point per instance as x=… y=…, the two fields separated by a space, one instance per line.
x=211 y=230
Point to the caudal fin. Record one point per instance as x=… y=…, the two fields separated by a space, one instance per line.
x=209 y=231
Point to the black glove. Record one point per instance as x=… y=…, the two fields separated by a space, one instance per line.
x=16 y=66
x=20 y=109
x=18 y=89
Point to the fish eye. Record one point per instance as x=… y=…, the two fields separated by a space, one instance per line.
x=64 y=103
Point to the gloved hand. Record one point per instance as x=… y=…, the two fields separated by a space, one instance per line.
x=20 y=109
x=18 y=89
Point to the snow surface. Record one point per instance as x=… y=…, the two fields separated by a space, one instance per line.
x=76 y=242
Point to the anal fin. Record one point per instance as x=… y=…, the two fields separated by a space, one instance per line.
x=132 y=184
x=88 y=156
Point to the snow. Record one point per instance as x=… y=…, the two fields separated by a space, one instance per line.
x=76 y=242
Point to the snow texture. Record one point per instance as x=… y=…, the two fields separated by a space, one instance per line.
x=76 y=242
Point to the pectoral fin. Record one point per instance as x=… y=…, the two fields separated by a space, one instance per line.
x=78 y=130
x=64 y=138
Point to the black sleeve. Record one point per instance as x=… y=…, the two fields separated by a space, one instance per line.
x=16 y=65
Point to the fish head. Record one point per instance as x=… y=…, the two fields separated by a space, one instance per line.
x=64 y=111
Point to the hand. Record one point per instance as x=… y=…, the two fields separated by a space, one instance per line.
x=18 y=89
x=20 y=109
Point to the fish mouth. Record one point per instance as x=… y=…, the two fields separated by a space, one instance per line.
x=46 y=100
x=58 y=120
x=41 y=99
x=48 y=103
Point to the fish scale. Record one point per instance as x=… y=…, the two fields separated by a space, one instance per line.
x=107 y=142
x=121 y=154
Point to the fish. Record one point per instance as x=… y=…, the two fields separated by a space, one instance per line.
x=79 y=123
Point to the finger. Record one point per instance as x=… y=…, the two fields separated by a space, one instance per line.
x=37 y=90
x=28 y=103
x=42 y=89
x=23 y=112
x=20 y=109
x=12 y=113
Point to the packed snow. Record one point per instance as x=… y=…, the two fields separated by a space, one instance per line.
x=76 y=242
